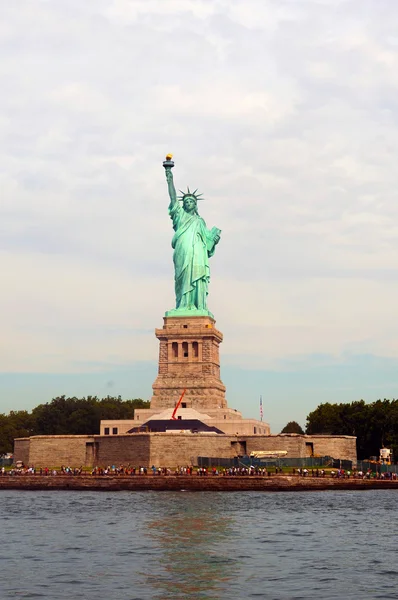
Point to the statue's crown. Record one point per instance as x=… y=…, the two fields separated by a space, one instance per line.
x=190 y=194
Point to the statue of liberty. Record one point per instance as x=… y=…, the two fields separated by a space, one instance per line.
x=193 y=245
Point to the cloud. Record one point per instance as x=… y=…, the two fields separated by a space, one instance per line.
x=284 y=114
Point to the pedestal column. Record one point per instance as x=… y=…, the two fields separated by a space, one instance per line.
x=200 y=375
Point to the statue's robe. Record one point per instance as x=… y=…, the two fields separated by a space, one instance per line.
x=193 y=244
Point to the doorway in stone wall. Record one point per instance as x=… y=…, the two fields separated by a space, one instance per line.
x=309 y=448
x=239 y=448
x=91 y=454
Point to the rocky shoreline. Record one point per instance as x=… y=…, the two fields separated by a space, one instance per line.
x=192 y=483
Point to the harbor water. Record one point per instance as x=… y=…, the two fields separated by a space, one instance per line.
x=184 y=545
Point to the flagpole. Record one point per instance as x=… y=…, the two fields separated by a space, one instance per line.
x=261 y=408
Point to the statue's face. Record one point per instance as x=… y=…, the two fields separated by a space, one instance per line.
x=189 y=204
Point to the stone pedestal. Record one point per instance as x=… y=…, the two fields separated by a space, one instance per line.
x=189 y=359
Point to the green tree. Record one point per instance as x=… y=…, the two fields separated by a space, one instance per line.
x=292 y=427
x=79 y=416
x=16 y=424
x=375 y=425
x=324 y=419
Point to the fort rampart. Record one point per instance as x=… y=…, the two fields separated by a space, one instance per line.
x=170 y=450
x=276 y=483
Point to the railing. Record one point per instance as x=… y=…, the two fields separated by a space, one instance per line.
x=247 y=461
x=310 y=461
x=365 y=465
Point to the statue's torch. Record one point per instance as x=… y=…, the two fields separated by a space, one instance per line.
x=168 y=163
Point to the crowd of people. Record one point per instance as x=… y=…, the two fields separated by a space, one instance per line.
x=46 y=471
x=347 y=473
x=121 y=470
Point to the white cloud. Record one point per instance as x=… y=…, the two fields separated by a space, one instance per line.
x=283 y=113
x=124 y=11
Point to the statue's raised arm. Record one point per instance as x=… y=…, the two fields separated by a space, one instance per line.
x=170 y=183
x=168 y=165
x=193 y=245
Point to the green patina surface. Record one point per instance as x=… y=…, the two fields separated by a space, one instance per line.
x=186 y=312
x=193 y=245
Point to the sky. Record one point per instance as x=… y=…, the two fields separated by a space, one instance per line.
x=284 y=113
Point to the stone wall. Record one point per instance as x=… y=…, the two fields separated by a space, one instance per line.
x=170 y=450
x=337 y=446
x=193 y=483
x=124 y=449
x=293 y=444
x=21 y=450
x=120 y=425
x=240 y=426
x=57 y=450
x=301 y=446
x=183 y=448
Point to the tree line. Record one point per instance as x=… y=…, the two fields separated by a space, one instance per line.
x=375 y=425
x=65 y=416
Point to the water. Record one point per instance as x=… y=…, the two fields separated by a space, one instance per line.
x=161 y=545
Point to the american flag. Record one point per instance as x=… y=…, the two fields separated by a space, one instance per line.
x=261 y=408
